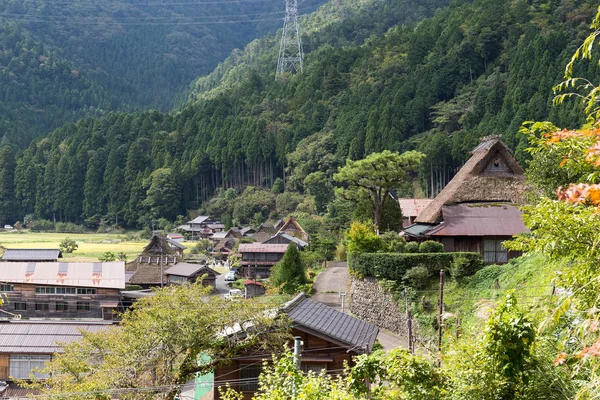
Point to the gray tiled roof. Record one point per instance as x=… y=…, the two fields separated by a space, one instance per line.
x=187 y=269
x=357 y=335
x=31 y=254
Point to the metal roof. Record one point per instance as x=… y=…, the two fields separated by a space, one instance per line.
x=353 y=333
x=200 y=219
x=42 y=337
x=412 y=207
x=480 y=219
x=417 y=229
x=174 y=243
x=187 y=269
x=262 y=248
x=31 y=255
x=111 y=275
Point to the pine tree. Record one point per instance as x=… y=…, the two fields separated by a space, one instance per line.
x=290 y=273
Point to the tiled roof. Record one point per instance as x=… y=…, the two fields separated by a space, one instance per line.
x=88 y=274
x=31 y=255
x=187 y=269
x=41 y=337
x=354 y=334
x=262 y=248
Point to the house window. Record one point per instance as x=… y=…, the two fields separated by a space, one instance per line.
x=86 y=291
x=62 y=306
x=494 y=251
x=21 y=365
x=63 y=290
x=83 y=306
x=249 y=377
x=20 y=306
x=42 y=307
x=7 y=288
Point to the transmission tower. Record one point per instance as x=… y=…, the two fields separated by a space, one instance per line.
x=291 y=56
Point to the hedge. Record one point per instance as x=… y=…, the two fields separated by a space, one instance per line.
x=393 y=266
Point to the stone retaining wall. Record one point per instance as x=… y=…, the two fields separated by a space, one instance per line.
x=370 y=302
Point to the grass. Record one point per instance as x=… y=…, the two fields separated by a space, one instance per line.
x=471 y=298
x=91 y=245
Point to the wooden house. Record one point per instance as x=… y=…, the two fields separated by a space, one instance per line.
x=284 y=238
x=224 y=248
x=259 y=258
x=411 y=208
x=232 y=233
x=292 y=228
x=27 y=345
x=183 y=272
x=330 y=339
x=264 y=232
x=72 y=290
x=148 y=268
x=478 y=209
x=32 y=255
x=202 y=226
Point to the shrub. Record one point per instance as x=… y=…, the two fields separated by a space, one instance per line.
x=411 y=247
x=68 y=245
x=430 y=246
x=394 y=265
x=361 y=238
x=464 y=266
x=393 y=243
x=107 y=256
x=416 y=277
x=40 y=225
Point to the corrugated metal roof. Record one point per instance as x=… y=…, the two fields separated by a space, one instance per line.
x=176 y=244
x=356 y=334
x=412 y=207
x=78 y=274
x=418 y=229
x=31 y=254
x=480 y=219
x=187 y=269
x=262 y=248
x=41 y=337
x=200 y=219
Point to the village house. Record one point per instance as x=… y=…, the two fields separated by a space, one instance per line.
x=478 y=210
x=292 y=228
x=259 y=258
x=330 y=339
x=411 y=208
x=148 y=268
x=224 y=248
x=233 y=233
x=201 y=227
x=284 y=238
x=32 y=255
x=61 y=290
x=183 y=272
x=27 y=345
x=253 y=288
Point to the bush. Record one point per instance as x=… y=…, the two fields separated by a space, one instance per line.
x=416 y=277
x=69 y=227
x=395 y=265
x=40 y=225
x=393 y=243
x=463 y=266
x=361 y=238
x=430 y=246
x=107 y=257
x=411 y=247
x=68 y=245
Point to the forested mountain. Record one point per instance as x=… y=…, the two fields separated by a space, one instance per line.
x=370 y=83
x=61 y=61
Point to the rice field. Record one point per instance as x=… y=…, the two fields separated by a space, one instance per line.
x=91 y=245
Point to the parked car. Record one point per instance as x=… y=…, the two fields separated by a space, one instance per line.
x=231 y=276
x=234 y=293
x=8 y=227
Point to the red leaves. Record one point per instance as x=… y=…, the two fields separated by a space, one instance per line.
x=581 y=193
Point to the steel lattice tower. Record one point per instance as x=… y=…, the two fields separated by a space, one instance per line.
x=291 y=56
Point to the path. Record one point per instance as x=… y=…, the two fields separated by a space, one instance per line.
x=335 y=279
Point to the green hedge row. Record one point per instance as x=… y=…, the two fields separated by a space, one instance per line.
x=393 y=266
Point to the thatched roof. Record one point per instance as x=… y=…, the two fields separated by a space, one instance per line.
x=158 y=246
x=491 y=175
x=293 y=228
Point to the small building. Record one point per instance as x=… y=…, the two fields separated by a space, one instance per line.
x=183 y=272
x=176 y=237
x=477 y=211
x=62 y=290
x=27 y=345
x=253 y=288
x=232 y=233
x=330 y=340
x=259 y=258
x=284 y=238
x=224 y=248
x=264 y=232
x=32 y=255
x=247 y=232
x=411 y=208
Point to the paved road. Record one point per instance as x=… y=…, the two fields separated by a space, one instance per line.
x=329 y=283
x=220 y=285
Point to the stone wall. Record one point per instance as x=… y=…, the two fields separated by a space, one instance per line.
x=370 y=302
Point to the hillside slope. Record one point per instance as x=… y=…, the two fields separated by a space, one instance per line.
x=470 y=70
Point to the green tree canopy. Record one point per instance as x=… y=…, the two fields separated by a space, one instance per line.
x=290 y=272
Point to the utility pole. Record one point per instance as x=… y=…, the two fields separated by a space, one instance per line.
x=342 y=296
x=441 y=316
x=409 y=324
x=291 y=55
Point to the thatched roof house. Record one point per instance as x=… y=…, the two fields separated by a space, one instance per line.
x=149 y=266
x=476 y=210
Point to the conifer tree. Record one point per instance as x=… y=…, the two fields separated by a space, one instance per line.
x=290 y=272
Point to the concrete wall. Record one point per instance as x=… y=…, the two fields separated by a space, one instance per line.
x=370 y=302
